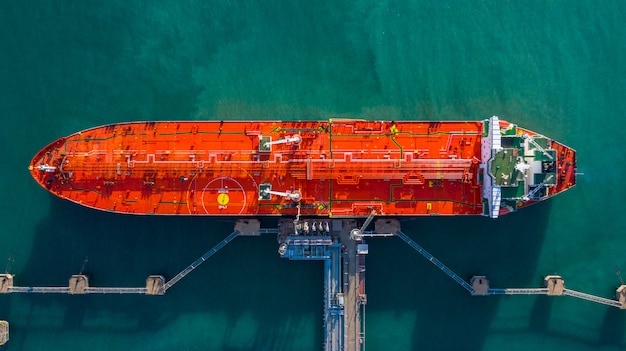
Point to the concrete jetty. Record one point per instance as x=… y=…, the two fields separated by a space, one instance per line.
x=6 y=282
x=78 y=284
x=555 y=285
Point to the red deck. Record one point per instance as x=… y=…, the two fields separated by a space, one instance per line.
x=336 y=168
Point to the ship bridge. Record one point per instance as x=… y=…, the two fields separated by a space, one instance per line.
x=521 y=167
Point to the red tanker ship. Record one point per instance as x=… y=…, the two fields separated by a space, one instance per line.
x=335 y=168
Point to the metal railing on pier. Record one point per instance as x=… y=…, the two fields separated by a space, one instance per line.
x=97 y=290
x=436 y=262
x=518 y=291
x=66 y=290
x=39 y=289
x=199 y=261
x=592 y=298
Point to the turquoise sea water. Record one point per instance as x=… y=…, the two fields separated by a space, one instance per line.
x=555 y=67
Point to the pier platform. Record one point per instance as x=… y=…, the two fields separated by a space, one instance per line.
x=4 y=332
x=154 y=285
x=555 y=285
x=620 y=295
x=78 y=284
x=6 y=282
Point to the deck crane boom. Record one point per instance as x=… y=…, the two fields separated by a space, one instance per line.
x=539 y=147
x=535 y=190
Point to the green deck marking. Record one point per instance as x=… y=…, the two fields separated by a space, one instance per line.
x=90 y=139
x=275 y=130
x=330 y=139
x=398 y=145
x=414 y=200
x=330 y=197
x=392 y=188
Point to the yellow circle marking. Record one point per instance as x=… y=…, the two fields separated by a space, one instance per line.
x=223 y=199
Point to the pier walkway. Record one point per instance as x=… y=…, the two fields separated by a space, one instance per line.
x=593 y=298
x=66 y=290
x=78 y=284
x=557 y=289
x=199 y=261
x=355 y=298
x=436 y=262
x=344 y=279
x=518 y=291
x=322 y=248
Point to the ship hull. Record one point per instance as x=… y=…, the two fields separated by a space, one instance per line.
x=335 y=168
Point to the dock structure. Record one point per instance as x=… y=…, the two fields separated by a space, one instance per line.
x=344 y=275
x=340 y=244
x=78 y=285
x=355 y=297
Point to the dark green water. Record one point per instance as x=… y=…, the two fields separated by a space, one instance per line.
x=555 y=67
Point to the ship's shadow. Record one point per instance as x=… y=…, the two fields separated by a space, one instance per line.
x=246 y=278
x=446 y=316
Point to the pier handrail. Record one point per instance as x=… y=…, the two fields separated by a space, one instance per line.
x=40 y=289
x=199 y=261
x=99 y=290
x=518 y=291
x=66 y=290
x=592 y=298
x=436 y=262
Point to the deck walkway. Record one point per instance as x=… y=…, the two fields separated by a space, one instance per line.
x=354 y=336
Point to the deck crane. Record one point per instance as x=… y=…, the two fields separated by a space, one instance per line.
x=294 y=139
x=539 y=147
x=356 y=233
x=535 y=190
x=294 y=195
